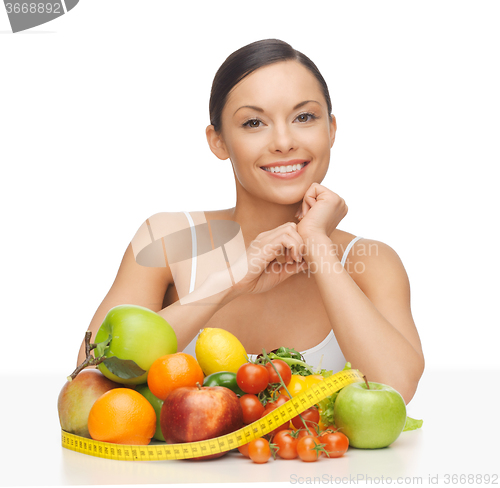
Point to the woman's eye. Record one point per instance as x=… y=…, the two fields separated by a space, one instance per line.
x=252 y=123
x=304 y=117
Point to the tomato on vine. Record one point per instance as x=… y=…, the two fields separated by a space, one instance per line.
x=303 y=432
x=252 y=408
x=259 y=450
x=286 y=444
x=273 y=406
x=335 y=443
x=244 y=450
x=279 y=401
x=252 y=378
x=309 y=448
x=282 y=368
x=310 y=416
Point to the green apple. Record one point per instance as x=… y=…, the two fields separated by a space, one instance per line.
x=371 y=418
x=138 y=334
x=156 y=403
x=77 y=397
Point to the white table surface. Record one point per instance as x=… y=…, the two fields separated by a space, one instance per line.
x=459 y=436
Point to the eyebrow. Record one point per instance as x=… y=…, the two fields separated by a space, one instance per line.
x=258 y=109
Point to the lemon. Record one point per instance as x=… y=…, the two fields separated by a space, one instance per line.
x=219 y=350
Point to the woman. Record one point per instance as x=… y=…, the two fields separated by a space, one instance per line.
x=307 y=285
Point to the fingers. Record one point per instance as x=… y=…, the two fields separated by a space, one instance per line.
x=314 y=194
x=309 y=199
x=265 y=236
x=280 y=243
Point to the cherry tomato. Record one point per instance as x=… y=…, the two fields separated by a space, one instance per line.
x=280 y=400
x=287 y=445
x=244 y=450
x=297 y=385
x=306 y=448
x=273 y=406
x=252 y=378
x=311 y=417
x=304 y=432
x=259 y=450
x=252 y=408
x=283 y=369
x=336 y=443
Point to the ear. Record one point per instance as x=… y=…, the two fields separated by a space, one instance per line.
x=216 y=143
x=333 y=130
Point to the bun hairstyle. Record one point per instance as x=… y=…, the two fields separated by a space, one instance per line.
x=245 y=61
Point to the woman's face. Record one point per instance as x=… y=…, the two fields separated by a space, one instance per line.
x=277 y=133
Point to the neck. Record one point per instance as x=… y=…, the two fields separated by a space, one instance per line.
x=255 y=215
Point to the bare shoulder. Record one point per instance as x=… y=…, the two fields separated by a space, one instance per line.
x=341 y=240
x=374 y=263
x=164 y=239
x=365 y=252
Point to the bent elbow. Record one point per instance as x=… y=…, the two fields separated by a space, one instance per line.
x=408 y=392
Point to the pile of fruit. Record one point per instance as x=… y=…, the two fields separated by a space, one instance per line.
x=144 y=389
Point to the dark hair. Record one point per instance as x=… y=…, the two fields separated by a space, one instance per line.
x=245 y=61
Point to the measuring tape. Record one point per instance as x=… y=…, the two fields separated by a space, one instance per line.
x=259 y=428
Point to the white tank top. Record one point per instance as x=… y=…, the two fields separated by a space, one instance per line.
x=326 y=355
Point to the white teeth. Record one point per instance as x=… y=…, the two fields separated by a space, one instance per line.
x=285 y=169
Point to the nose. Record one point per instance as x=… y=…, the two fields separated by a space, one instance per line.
x=283 y=139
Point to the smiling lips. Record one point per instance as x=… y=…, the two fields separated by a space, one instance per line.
x=286 y=169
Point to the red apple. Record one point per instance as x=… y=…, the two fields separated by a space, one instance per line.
x=196 y=413
x=77 y=397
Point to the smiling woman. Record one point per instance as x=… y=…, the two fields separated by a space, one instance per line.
x=300 y=281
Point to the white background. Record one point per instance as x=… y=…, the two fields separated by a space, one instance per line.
x=102 y=124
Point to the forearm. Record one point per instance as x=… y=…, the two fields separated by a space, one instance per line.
x=368 y=341
x=188 y=318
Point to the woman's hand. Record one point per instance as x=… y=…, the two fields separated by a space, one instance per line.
x=272 y=257
x=320 y=212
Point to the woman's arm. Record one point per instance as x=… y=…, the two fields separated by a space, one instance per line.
x=371 y=317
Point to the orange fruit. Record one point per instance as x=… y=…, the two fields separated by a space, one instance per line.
x=173 y=371
x=122 y=416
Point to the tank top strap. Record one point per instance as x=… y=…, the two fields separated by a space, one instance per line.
x=349 y=247
x=194 y=248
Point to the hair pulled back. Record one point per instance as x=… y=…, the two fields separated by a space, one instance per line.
x=245 y=61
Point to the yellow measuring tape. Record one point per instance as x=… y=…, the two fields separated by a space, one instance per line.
x=266 y=424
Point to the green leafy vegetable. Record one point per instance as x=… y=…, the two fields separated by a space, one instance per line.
x=326 y=405
x=294 y=359
x=326 y=409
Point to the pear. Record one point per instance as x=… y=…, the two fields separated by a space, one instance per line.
x=77 y=397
